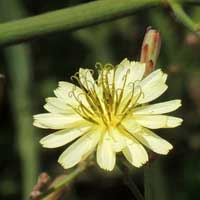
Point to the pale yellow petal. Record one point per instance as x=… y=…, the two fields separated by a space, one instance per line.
x=131 y=125
x=151 y=87
x=133 y=71
x=37 y=124
x=57 y=121
x=67 y=92
x=106 y=157
x=158 y=108
x=164 y=78
x=154 y=77
x=63 y=137
x=158 y=121
x=145 y=90
x=128 y=100
x=71 y=94
x=88 y=82
x=153 y=141
x=56 y=105
x=121 y=71
x=137 y=71
x=86 y=78
x=135 y=153
x=80 y=149
x=119 y=141
x=152 y=92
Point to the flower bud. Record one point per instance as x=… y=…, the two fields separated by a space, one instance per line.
x=150 y=49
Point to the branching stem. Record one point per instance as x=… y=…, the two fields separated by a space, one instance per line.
x=64 y=181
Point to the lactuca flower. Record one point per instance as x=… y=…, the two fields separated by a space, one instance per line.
x=111 y=114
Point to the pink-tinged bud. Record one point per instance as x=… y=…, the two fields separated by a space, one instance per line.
x=150 y=49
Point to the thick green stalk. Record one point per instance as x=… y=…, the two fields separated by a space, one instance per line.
x=18 y=67
x=20 y=76
x=74 y=18
x=70 y=18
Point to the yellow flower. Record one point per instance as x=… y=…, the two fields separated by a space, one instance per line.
x=109 y=115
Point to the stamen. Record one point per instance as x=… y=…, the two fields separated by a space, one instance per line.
x=86 y=113
x=104 y=108
x=107 y=98
x=72 y=93
x=121 y=91
x=91 y=71
x=87 y=85
x=128 y=109
x=76 y=78
x=99 y=66
x=94 y=101
x=128 y=102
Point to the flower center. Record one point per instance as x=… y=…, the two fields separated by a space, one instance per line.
x=104 y=101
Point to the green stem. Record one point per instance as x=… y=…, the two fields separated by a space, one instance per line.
x=17 y=60
x=129 y=182
x=155 y=182
x=194 y=2
x=18 y=65
x=71 y=18
x=64 y=181
x=148 y=187
x=183 y=17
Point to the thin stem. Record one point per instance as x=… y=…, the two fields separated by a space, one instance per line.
x=193 y=2
x=183 y=17
x=148 y=188
x=129 y=182
x=64 y=181
x=70 y=18
x=2 y=88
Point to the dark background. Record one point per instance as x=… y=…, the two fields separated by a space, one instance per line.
x=33 y=69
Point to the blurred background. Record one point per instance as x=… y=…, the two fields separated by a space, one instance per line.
x=30 y=72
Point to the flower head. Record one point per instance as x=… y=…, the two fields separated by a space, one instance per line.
x=109 y=115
